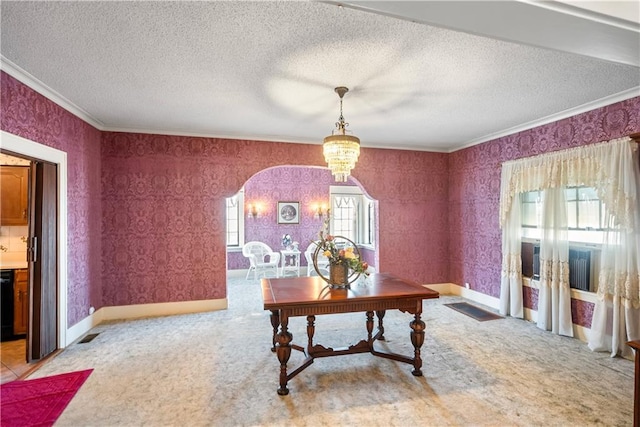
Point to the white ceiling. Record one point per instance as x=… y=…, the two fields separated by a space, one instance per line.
x=434 y=76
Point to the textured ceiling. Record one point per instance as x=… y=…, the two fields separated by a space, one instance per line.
x=423 y=75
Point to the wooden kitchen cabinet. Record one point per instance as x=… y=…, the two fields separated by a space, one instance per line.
x=20 y=301
x=14 y=195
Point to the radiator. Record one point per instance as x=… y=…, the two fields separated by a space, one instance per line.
x=579 y=268
x=536 y=263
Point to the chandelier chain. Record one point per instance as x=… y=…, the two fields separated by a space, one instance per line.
x=341 y=124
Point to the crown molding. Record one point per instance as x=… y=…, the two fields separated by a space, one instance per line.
x=591 y=12
x=24 y=77
x=35 y=84
x=240 y=137
x=602 y=102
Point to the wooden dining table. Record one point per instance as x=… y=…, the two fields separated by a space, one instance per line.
x=312 y=296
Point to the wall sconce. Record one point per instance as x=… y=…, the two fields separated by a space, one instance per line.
x=254 y=211
x=319 y=211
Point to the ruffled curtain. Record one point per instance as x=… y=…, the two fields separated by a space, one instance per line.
x=554 y=298
x=612 y=169
x=511 y=277
x=616 y=316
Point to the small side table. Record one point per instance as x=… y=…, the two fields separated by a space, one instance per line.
x=636 y=394
x=289 y=262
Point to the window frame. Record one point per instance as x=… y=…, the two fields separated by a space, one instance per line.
x=365 y=215
x=241 y=219
x=577 y=235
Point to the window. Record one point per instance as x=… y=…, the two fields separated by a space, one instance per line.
x=585 y=210
x=235 y=220
x=586 y=223
x=344 y=210
x=585 y=214
x=531 y=209
x=369 y=223
x=352 y=215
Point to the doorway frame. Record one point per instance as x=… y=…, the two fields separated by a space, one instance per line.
x=19 y=145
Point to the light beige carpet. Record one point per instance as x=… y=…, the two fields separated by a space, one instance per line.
x=216 y=369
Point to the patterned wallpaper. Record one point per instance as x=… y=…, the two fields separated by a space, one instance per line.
x=163 y=210
x=304 y=184
x=474 y=194
x=28 y=114
x=146 y=212
x=162 y=198
x=412 y=190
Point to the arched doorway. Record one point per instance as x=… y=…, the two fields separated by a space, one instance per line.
x=309 y=187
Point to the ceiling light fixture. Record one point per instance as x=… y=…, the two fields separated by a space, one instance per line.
x=340 y=150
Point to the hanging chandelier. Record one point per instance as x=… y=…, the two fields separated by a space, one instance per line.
x=340 y=150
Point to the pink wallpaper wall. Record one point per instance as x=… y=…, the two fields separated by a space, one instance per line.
x=474 y=192
x=146 y=212
x=163 y=211
x=304 y=184
x=412 y=190
x=30 y=115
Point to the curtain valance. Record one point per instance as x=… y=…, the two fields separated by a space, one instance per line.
x=604 y=166
x=612 y=169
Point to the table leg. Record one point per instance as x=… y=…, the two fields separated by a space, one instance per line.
x=311 y=330
x=283 y=350
x=380 y=315
x=275 y=322
x=369 y=325
x=417 y=339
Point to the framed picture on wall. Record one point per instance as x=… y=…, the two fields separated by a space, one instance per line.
x=288 y=212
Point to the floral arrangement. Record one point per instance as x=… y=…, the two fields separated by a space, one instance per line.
x=346 y=256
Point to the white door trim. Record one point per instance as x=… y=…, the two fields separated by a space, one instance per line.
x=19 y=145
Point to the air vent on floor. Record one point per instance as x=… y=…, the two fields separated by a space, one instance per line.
x=88 y=338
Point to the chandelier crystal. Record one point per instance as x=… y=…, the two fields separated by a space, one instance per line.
x=340 y=150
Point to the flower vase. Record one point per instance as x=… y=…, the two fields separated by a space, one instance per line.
x=338 y=275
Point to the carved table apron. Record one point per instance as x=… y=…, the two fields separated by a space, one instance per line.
x=310 y=296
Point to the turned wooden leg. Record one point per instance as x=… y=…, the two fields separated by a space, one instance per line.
x=311 y=329
x=380 y=315
x=417 y=339
x=369 y=325
x=283 y=350
x=275 y=322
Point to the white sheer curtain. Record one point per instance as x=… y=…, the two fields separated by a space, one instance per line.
x=616 y=316
x=554 y=298
x=612 y=169
x=511 y=277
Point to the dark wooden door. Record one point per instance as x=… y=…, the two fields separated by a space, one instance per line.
x=42 y=257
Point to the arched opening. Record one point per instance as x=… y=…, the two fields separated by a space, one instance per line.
x=309 y=190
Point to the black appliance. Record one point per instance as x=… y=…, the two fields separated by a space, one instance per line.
x=6 y=295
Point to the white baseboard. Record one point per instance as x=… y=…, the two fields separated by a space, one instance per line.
x=453 y=289
x=136 y=311
x=78 y=330
x=579 y=332
x=442 y=288
x=162 y=309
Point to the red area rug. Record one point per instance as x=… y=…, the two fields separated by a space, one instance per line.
x=39 y=402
